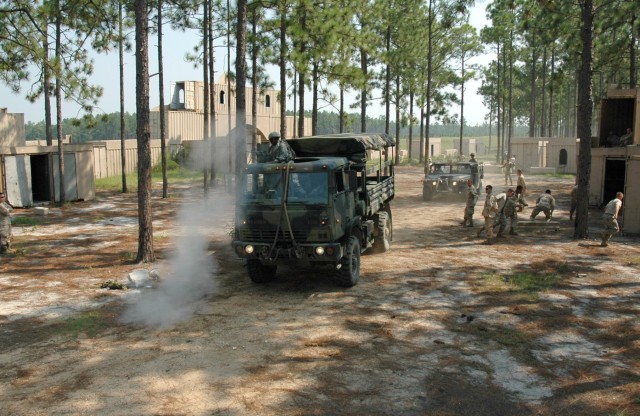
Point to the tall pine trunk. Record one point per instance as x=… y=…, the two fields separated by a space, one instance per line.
x=241 y=82
x=585 y=105
x=145 y=224
x=59 y=103
x=123 y=149
x=163 y=124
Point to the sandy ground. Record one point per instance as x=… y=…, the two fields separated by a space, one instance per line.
x=537 y=324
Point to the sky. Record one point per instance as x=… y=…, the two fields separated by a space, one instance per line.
x=175 y=46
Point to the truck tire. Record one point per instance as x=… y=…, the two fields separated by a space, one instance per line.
x=349 y=274
x=260 y=273
x=427 y=195
x=384 y=226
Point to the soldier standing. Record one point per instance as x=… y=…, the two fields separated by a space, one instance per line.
x=279 y=150
x=545 y=203
x=574 y=201
x=511 y=212
x=610 y=218
x=472 y=199
x=501 y=221
x=520 y=202
x=5 y=223
x=521 y=182
x=489 y=212
x=508 y=168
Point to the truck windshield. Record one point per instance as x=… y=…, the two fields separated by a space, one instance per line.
x=305 y=188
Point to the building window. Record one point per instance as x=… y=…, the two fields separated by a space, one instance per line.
x=221 y=97
x=267 y=101
x=563 y=157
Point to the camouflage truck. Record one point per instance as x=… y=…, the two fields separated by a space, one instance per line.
x=324 y=208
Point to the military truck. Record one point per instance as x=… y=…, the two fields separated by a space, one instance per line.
x=324 y=208
x=451 y=178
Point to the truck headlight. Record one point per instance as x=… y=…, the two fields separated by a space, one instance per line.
x=248 y=249
x=320 y=251
x=434 y=183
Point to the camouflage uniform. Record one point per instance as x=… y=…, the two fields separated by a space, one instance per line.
x=508 y=169
x=610 y=220
x=574 y=201
x=523 y=183
x=520 y=202
x=510 y=211
x=545 y=203
x=489 y=212
x=472 y=199
x=281 y=152
x=501 y=220
x=5 y=226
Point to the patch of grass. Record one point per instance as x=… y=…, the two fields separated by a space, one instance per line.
x=633 y=261
x=128 y=256
x=533 y=282
x=113 y=285
x=114 y=183
x=160 y=237
x=525 y=281
x=89 y=323
x=509 y=337
x=26 y=221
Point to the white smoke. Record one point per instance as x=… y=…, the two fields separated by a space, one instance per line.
x=189 y=277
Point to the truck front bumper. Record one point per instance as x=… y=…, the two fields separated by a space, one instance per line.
x=314 y=252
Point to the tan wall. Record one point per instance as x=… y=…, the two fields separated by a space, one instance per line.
x=631 y=206
x=434 y=143
x=185 y=118
x=185 y=126
x=554 y=147
x=529 y=152
x=12 y=129
x=108 y=162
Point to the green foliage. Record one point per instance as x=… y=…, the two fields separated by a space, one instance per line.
x=105 y=127
x=26 y=221
x=172 y=165
x=113 y=285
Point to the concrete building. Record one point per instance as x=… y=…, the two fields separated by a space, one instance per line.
x=435 y=145
x=31 y=174
x=546 y=154
x=616 y=167
x=185 y=112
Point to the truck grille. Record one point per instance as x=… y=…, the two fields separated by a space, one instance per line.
x=269 y=235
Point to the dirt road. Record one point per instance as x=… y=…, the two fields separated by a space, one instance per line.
x=439 y=325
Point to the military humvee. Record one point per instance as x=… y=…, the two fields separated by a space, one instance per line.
x=324 y=208
x=451 y=178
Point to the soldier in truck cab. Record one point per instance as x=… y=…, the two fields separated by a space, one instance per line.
x=279 y=150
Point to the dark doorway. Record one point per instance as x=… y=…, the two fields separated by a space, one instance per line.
x=40 y=178
x=614 y=174
x=562 y=160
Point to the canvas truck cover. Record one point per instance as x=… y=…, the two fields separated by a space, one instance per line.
x=349 y=145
